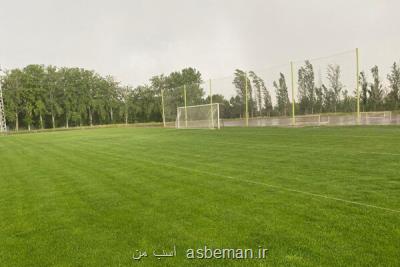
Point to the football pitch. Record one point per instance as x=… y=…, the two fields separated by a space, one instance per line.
x=327 y=196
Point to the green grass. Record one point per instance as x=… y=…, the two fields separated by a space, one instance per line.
x=93 y=197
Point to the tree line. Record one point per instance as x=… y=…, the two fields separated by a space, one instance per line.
x=39 y=96
x=311 y=98
x=334 y=97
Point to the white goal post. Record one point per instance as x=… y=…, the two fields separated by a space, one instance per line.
x=376 y=114
x=376 y=117
x=314 y=119
x=199 y=116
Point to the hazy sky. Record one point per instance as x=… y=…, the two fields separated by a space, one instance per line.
x=134 y=40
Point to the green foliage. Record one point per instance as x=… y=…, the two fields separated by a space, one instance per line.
x=146 y=105
x=393 y=97
x=282 y=95
x=173 y=86
x=12 y=93
x=40 y=96
x=258 y=85
x=364 y=91
x=319 y=97
x=329 y=99
x=240 y=81
x=375 y=92
x=335 y=86
x=262 y=97
x=306 y=88
x=50 y=96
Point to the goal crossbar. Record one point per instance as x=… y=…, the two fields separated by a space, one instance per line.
x=198 y=116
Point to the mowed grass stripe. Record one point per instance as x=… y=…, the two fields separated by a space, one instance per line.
x=190 y=170
x=193 y=163
x=297 y=174
x=110 y=200
x=202 y=160
x=250 y=166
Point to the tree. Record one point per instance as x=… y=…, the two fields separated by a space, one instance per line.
x=224 y=105
x=235 y=107
x=329 y=99
x=375 y=92
x=240 y=80
x=319 y=98
x=306 y=88
x=173 y=87
x=124 y=96
x=53 y=89
x=191 y=79
x=36 y=73
x=259 y=86
x=12 y=94
x=394 y=85
x=33 y=94
x=334 y=84
x=348 y=102
x=89 y=81
x=146 y=107
x=282 y=96
x=262 y=96
x=66 y=94
x=267 y=101
x=364 y=91
x=159 y=85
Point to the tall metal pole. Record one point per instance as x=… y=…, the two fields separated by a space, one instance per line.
x=293 y=101
x=184 y=93
x=162 y=104
x=247 y=108
x=358 y=86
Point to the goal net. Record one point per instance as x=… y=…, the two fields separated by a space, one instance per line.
x=308 y=120
x=200 y=116
x=376 y=117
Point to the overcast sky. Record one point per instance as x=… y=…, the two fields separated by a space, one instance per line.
x=134 y=40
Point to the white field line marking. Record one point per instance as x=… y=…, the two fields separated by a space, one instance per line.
x=302 y=148
x=269 y=185
x=275 y=186
x=264 y=184
x=261 y=144
x=317 y=135
x=185 y=154
x=381 y=153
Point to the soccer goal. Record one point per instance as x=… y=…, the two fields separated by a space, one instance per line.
x=308 y=120
x=376 y=117
x=200 y=116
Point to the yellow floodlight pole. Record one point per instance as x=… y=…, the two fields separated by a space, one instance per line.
x=247 y=108
x=184 y=93
x=358 y=86
x=162 y=104
x=293 y=102
x=212 y=116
